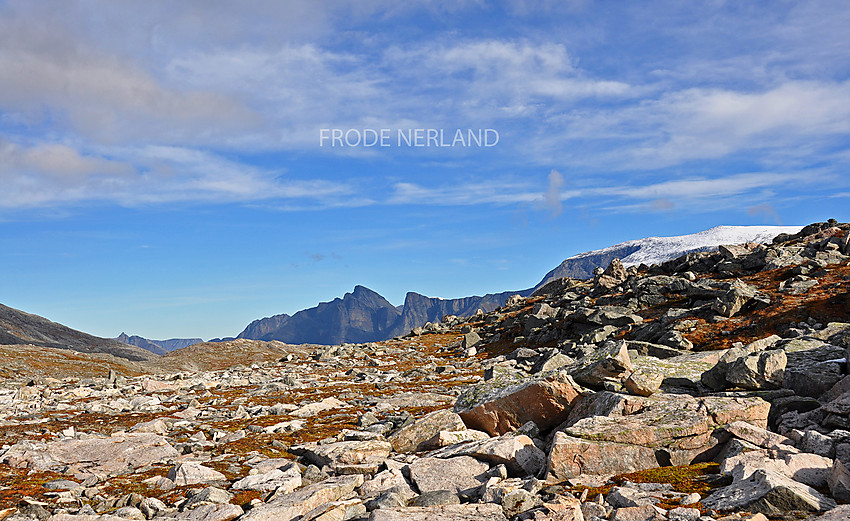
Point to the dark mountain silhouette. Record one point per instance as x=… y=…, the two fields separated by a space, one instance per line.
x=366 y=316
x=360 y=316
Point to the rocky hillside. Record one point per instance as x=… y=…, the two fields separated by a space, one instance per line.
x=19 y=328
x=712 y=386
x=653 y=250
x=365 y=316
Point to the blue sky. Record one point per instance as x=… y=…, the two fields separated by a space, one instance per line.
x=161 y=170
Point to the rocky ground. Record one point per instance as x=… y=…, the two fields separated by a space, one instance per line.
x=714 y=386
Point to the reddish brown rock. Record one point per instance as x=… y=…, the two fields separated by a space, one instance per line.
x=547 y=402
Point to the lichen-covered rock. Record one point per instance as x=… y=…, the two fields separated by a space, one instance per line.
x=343 y=452
x=193 y=474
x=644 y=382
x=570 y=457
x=289 y=506
x=610 y=362
x=681 y=425
x=465 y=512
x=769 y=493
x=454 y=474
x=411 y=437
x=763 y=370
x=116 y=454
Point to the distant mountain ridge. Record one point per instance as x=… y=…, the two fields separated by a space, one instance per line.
x=366 y=316
x=18 y=327
x=159 y=347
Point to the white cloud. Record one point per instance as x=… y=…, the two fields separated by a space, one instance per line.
x=49 y=75
x=489 y=192
x=47 y=174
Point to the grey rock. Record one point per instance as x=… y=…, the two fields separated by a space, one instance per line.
x=812 y=367
x=839 y=482
x=611 y=361
x=518 y=453
x=762 y=370
x=193 y=474
x=758 y=436
x=117 y=454
x=840 y=513
x=518 y=501
x=209 y=495
x=466 y=512
x=435 y=497
x=675 y=340
x=683 y=514
x=220 y=512
x=454 y=474
x=471 y=339
x=336 y=510
x=290 y=506
x=818 y=443
x=768 y=493
x=551 y=362
x=412 y=437
x=343 y=452
x=286 y=480
x=129 y=513
x=731 y=302
x=620 y=497
x=642 y=513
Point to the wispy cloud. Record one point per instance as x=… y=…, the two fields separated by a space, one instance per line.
x=465 y=194
x=48 y=174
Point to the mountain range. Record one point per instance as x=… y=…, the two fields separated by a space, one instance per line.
x=365 y=316
x=159 y=347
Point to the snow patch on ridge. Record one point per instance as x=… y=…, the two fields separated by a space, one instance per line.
x=652 y=250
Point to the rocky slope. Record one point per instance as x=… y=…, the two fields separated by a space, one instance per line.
x=712 y=386
x=653 y=250
x=20 y=328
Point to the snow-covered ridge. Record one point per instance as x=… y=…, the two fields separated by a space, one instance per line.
x=652 y=250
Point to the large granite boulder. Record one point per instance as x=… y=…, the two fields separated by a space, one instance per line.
x=610 y=433
x=496 y=408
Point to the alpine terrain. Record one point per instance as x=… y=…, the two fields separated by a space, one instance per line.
x=710 y=386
